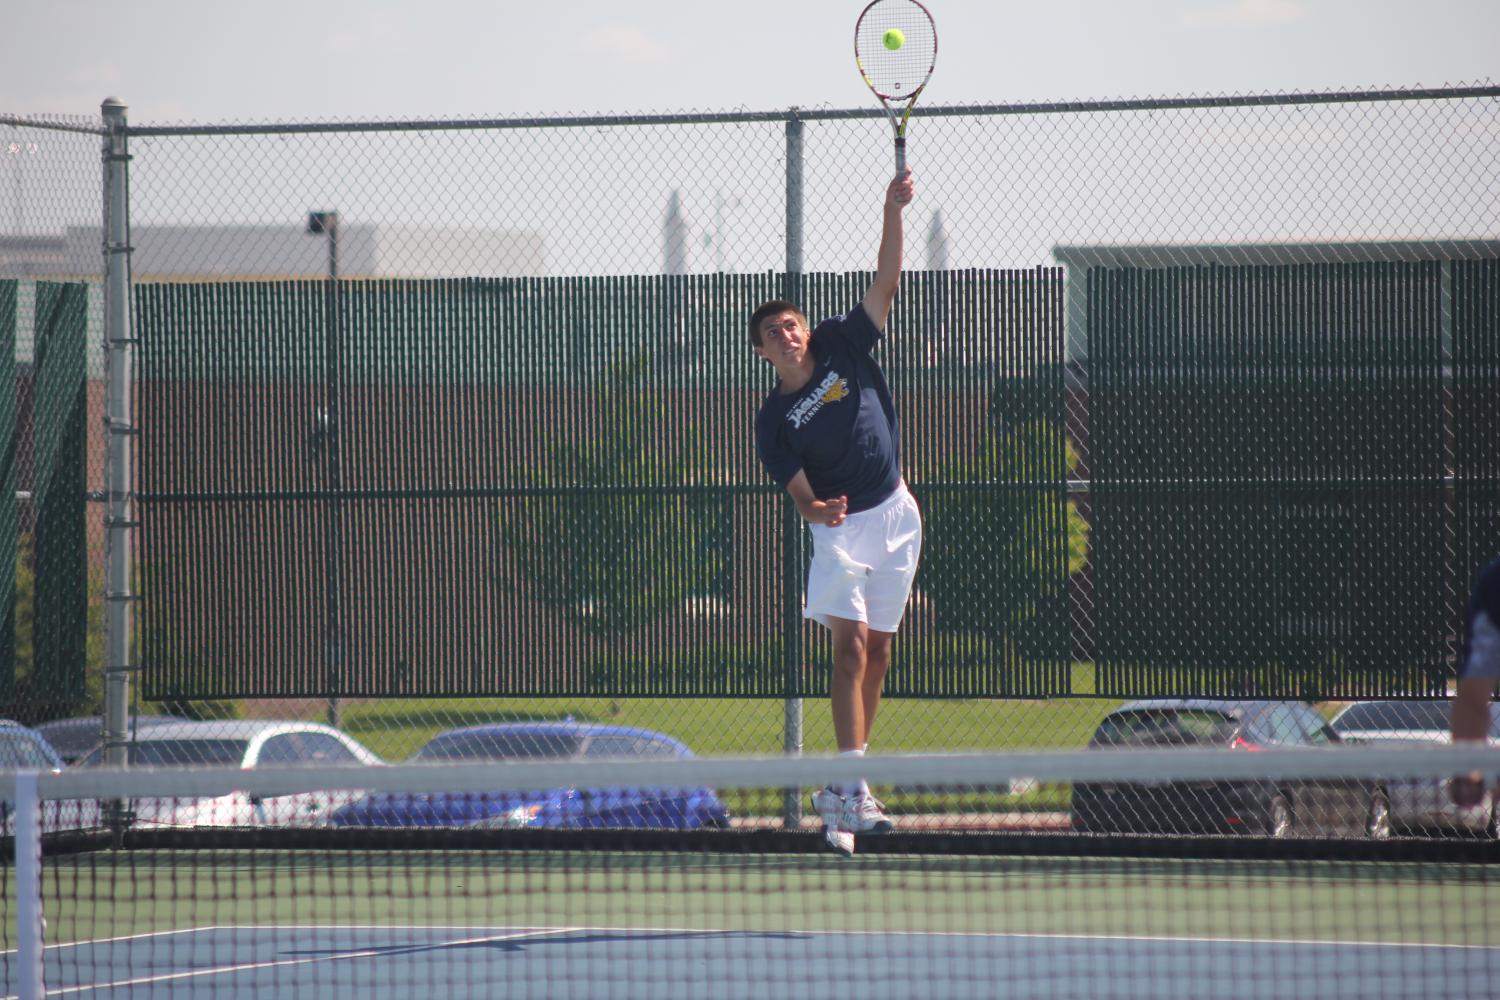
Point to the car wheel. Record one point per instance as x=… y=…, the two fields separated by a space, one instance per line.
x=1279 y=817
x=1378 y=819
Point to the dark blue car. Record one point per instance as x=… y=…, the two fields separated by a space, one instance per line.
x=566 y=808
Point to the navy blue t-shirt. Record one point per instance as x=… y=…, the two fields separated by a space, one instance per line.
x=841 y=427
x=1481 y=652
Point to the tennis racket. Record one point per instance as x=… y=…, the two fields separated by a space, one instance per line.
x=895 y=48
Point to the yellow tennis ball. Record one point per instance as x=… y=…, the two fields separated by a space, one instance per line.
x=894 y=39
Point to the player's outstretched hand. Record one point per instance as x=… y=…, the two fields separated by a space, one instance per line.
x=901 y=190
x=829 y=512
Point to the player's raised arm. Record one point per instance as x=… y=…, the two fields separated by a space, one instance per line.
x=882 y=292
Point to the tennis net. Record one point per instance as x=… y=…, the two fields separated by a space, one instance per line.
x=1119 y=873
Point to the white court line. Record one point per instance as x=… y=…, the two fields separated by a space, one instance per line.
x=287 y=962
x=850 y=932
x=124 y=937
x=207 y=928
x=529 y=933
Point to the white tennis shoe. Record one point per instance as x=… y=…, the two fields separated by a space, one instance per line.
x=864 y=813
x=832 y=809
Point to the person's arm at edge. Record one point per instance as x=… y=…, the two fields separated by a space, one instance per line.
x=829 y=512
x=882 y=291
x=1471 y=724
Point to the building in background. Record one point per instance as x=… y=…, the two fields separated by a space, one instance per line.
x=269 y=252
x=1077 y=260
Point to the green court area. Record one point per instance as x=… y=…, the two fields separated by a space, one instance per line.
x=105 y=895
x=717 y=727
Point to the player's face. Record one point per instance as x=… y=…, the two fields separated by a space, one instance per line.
x=783 y=339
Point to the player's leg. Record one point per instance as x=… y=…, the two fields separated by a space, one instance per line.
x=850 y=645
x=833 y=804
x=1471 y=723
x=877 y=664
x=863 y=813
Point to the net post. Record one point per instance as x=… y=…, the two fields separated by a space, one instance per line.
x=28 y=844
x=118 y=342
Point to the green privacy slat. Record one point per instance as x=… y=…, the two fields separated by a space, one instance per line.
x=8 y=526
x=1476 y=415
x=1267 y=480
x=61 y=557
x=550 y=486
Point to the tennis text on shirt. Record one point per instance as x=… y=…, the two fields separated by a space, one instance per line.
x=833 y=388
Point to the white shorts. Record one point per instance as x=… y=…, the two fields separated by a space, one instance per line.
x=863 y=569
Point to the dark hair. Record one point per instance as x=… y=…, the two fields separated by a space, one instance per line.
x=771 y=308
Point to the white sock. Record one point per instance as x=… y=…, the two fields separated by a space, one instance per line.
x=864 y=786
x=849 y=790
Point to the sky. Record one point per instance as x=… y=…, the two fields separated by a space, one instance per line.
x=1007 y=188
x=179 y=61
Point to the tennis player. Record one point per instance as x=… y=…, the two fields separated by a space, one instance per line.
x=1478 y=674
x=827 y=433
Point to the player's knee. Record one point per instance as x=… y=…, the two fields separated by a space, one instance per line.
x=850 y=656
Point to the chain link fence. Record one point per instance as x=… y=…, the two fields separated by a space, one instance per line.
x=450 y=422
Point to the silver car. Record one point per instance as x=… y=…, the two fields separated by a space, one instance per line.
x=23 y=749
x=74 y=738
x=1420 y=805
x=243 y=744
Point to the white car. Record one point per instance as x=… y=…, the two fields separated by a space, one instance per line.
x=244 y=744
x=1420 y=804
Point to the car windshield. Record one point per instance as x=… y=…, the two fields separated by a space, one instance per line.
x=500 y=746
x=629 y=746
x=17 y=750
x=1407 y=715
x=1165 y=726
x=168 y=753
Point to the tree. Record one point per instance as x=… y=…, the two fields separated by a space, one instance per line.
x=617 y=548
x=1003 y=539
x=34 y=698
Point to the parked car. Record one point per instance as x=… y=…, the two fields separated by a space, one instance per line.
x=24 y=749
x=243 y=744
x=74 y=738
x=1265 y=807
x=662 y=808
x=1420 y=805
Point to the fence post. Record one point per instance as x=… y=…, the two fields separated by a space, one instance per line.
x=792 y=530
x=333 y=597
x=119 y=343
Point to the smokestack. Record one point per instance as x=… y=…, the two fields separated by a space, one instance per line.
x=674 y=238
x=937 y=242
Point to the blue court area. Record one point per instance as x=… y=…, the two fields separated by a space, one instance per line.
x=565 y=962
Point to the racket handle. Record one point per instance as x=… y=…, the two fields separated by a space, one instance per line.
x=900 y=155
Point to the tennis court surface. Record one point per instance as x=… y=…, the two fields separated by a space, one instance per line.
x=531 y=912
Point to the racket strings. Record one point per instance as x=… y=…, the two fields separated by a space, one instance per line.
x=895 y=74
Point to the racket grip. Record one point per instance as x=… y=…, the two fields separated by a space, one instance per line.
x=900 y=155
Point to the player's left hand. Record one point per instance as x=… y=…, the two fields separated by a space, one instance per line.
x=828 y=512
